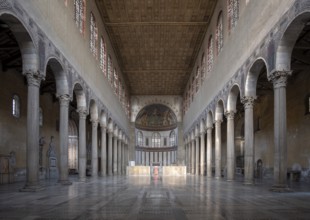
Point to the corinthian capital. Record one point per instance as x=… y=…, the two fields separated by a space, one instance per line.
x=94 y=123
x=279 y=78
x=230 y=115
x=82 y=112
x=64 y=99
x=248 y=101
x=33 y=78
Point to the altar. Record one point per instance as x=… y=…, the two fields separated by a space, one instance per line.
x=156 y=170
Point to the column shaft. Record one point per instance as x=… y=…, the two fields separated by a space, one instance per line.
x=279 y=79
x=193 y=156
x=248 y=140
x=119 y=157
x=202 y=154
x=209 y=152
x=197 y=156
x=218 y=148
x=103 y=151
x=82 y=144
x=32 y=155
x=110 y=153
x=115 y=155
x=230 y=147
x=63 y=138
x=94 y=146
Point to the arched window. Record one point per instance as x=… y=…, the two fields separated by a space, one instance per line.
x=110 y=69
x=233 y=13
x=93 y=35
x=115 y=82
x=197 y=79
x=156 y=140
x=210 y=55
x=120 y=90
x=16 y=106
x=219 y=33
x=40 y=117
x=202 y=68
x=172 y=138
x=79 y=15
x=103 y=56
x=140 y=138
x=307 y=104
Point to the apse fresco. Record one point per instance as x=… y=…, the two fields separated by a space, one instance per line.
x=156 y=117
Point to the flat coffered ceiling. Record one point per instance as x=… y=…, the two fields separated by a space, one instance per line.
x=156 y=41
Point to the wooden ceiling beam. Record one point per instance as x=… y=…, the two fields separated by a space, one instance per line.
x=113 y=24
x=155 y=70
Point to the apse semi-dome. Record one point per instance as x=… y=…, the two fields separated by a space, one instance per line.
x=156 y=117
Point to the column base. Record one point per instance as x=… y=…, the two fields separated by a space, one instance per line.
x=230 y=180
x=103 y=174
x=280 y=188
x=32 y=188
x=82 y=179
x=217 y=177
x=65 y=182
x=248 y=183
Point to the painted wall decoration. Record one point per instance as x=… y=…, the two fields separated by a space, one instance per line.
x=156 y=117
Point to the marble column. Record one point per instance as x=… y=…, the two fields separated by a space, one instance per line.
x=209 y=152
x=110 y=153
x=197 y=155
x=156 y=157
x=147 y=158
x=193 y=156
x=94 y=148
x=165 y=158
x=161 y=158
x=248 y=140
x=82 y=143
x=218 y=148
x=279 y=79
x=202 y=153
x=63 y=138
x=143 y=158
x=103 y=150
x=169 y=158
x=119 y=157
x=188 y=158
x=115 y=154
x=123 y=158
x=32 y=154
x=230 y=146
x=151 y=158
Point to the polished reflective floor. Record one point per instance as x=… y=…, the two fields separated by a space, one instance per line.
x=120 y=197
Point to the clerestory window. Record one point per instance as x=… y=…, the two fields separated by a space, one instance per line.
x=79 y=15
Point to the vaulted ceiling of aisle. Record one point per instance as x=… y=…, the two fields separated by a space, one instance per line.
x=156 y=41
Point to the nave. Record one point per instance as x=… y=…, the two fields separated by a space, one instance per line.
x=120 y=197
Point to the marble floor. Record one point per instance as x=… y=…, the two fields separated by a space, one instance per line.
x=121 y=197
